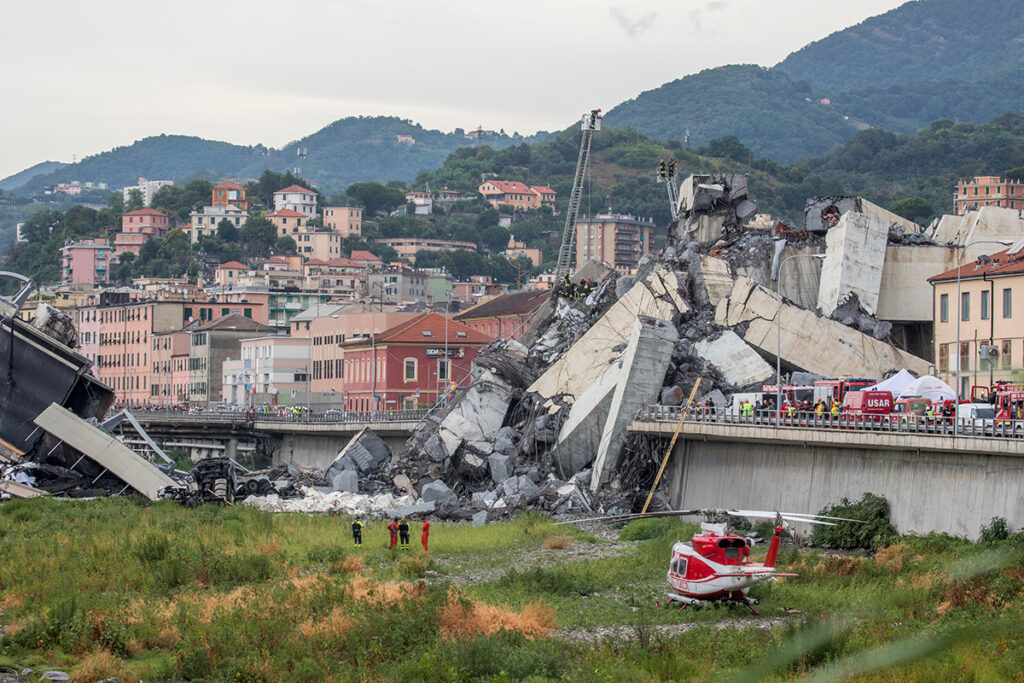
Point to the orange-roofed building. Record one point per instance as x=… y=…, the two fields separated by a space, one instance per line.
x=228 y=273
x=287 y=221
x=229 y=194
x=138 y=227
x=518 y=195
x=365 y=259
x=506 y=315
x=409 y=365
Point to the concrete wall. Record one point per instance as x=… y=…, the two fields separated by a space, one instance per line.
x=927 y=491
x=854 y=256
x=905 y=295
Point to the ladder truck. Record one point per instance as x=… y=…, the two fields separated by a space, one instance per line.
x=590 y=124
x=667 y=175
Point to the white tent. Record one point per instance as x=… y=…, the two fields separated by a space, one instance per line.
x=930 y=387
x=896 y=384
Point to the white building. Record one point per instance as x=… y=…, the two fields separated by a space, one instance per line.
x=206 y=221
x=148 y=188
x=270 y=366
x=296 y=198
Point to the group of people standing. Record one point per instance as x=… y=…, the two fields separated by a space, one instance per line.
x=398 y=530
x=581 y=290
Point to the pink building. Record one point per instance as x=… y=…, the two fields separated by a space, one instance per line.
x=476 y=288
x=344 y=220
x=168 y=384
x=287 y=221
x=87 y=262
x=228 y=273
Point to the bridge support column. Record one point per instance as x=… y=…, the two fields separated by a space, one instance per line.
x=231 y=448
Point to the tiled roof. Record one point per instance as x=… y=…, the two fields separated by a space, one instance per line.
x=295 y=188
x=232 y=264
x=412 y=332
x=509 y=186
x=234 y=322
x=360 y=255
x=542 y=189
x=996 y=265
x=146 y=212
x=516 y=303
x=317 y=262
x=228 y=185
x=286 y=213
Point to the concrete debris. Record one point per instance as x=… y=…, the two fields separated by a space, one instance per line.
x=478 y=416
x=365 y=452
x=854 y=256
x=346 y=480
x=437 y=491
x=711 y=206
x=672 y=396
x=823 y=213
x=337 y=502
x=738 y=364
x=499 y=467
x=480 y=518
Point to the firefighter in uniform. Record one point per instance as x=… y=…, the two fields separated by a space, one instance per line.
x=357 y=532
x=403 y=533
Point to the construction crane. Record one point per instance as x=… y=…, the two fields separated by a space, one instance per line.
x=590 y=124
x=667 y=175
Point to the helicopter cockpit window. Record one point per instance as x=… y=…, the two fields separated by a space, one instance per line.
x=679 y=566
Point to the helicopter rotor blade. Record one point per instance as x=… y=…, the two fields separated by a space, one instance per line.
x=794 y=516
x=636 y=515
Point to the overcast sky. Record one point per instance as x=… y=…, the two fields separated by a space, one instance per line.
x=82 y=77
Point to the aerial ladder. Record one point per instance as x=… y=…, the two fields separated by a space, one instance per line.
x=667 y=175
x=590 y=124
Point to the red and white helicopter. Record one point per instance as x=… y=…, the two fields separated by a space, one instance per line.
x=714 y=565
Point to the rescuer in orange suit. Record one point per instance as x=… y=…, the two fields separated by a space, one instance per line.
x=426 y=532
x=393 y=530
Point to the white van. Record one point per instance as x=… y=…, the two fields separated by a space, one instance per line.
x=980 y=415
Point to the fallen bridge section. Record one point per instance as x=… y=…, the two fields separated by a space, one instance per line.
x=809 y=341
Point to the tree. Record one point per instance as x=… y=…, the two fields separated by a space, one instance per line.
x=1015 y=173
x=375 y=197
x=285 y=245
x=913 y=209
x=135 y=201
x=487 y=218
x=494 y=238
x=227 y=231
x=258 y=231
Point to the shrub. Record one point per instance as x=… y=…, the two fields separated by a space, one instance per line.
x=557 y=542
x=872 y=532
x=994 y=531
x=556 y=581
x=653 y=527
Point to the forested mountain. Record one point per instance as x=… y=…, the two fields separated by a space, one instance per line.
x=19 y=179
x=347 y=151
x=775 y=115
x=923 y=40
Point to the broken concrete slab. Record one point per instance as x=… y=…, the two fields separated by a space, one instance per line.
x=505 y=441
x=499 y=467
x=644 y=364
x=738 y=364
x=411 y=510
x=365 y=452
x=110 y=453
x=809 y=341
x=478 y=415
x=18 y=490
x=656 y=296
x=404 y=484
x=346 y=480
x=479 y=518
x=438 y=491
x=854 y=258
x=823 y=213
x=711 y=281
x=580 y=435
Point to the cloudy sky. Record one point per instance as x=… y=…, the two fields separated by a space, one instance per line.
x=82 y=77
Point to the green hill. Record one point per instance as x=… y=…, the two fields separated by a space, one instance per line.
x=347 y=151
x=13 y=182
x=929 y=40
x=775 y=115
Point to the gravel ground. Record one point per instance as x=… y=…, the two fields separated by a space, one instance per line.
x=600 y=633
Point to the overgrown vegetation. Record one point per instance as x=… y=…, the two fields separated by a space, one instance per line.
x=117 y=588
x=873 y=531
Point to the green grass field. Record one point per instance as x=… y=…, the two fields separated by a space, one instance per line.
x=119 y=588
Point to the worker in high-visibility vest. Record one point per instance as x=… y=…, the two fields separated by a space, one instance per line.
x=747 y=410
x=835 y=409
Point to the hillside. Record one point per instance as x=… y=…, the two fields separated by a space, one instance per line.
x=13 y=182
x=349 y=150
x=766 y=109
x=930 y=40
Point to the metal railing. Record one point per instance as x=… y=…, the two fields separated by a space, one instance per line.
x=894 y=423
x=301 y=417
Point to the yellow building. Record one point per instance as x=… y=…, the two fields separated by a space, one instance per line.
x=989 y=319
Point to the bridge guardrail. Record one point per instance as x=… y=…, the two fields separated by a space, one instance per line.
x=894 y=423
x=239 y=416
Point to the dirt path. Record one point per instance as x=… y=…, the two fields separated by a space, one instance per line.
x=599 y=633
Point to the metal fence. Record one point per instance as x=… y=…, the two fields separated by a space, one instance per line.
x=912 y=424
x=301 y=417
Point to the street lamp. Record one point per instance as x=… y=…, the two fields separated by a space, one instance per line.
x=778 y=332
x=959 y=317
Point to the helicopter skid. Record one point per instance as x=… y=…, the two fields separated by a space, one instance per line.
x=674 y=597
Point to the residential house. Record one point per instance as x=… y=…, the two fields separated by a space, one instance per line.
x=272 y=369
x=296 y=198
x=229 y=194
x=504 y=316
x=410 y=365
x=407 y=247
x=210 y=345
x=87 y=262
x=138 y=227
x=518 y=195
x=982 y=191
x=347 y=221
x=147 y=188
x=516 y=249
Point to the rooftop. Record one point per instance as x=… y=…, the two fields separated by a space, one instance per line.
x=430 y=328
x=234 y=322
x=996 y=265
x=294 y=188
x=146 y=212
x=516 y=303
x=228 y=185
